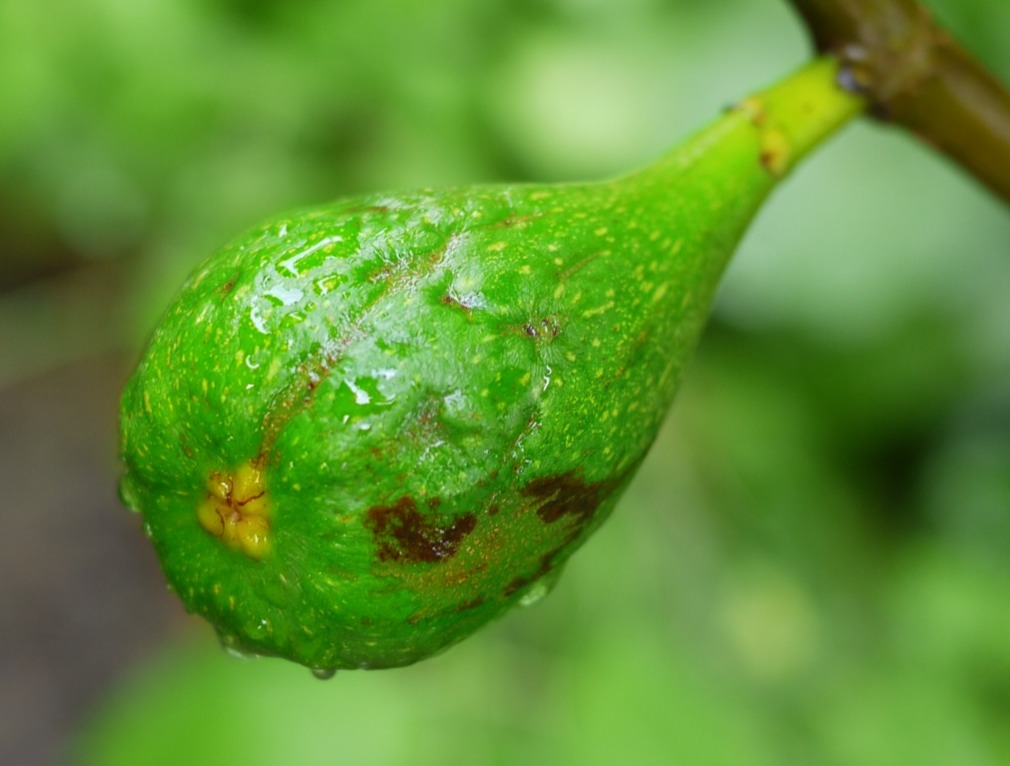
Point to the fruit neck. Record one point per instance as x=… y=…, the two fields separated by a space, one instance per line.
x=798 y=114
x=767 y=133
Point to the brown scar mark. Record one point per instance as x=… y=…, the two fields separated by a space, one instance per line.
x=471 y=604
x=405 y=535
x=452 y=302
x=227 y=287
x=566 y=495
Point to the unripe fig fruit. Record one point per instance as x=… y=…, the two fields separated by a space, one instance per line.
x=364 y=430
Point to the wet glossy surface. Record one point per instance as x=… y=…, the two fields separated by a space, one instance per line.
x=445 y=392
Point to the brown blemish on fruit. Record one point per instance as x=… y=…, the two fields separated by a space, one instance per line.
x=405 y=535
x=453 y=302
x=567 y=495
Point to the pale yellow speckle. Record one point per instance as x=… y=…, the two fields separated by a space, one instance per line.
x=559 y=290
x=553 y=248
x=497 y=247
x=275 y=368
x=611 y=293
x=147 y=402
x=525 y=269
x=538 y=195
x=596 y=342
x=598 y=310
x=204 y=385
x=601 y=231
x=655 y=235
x=476 y=359
x=660 y=292
x=559 y=262
x=570 y=356
x=525 y=379
x=485 y=393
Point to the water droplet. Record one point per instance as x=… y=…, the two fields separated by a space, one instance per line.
x=323 y=674
x=238 y=654
x=538 y=590
x=360 y=395
x=285 y=296
x=535 y=594
x=128 y=495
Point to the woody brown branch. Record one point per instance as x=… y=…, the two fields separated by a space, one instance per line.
x=917 y=76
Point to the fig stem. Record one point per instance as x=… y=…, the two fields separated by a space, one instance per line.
x=796 y=115
x=917 y=76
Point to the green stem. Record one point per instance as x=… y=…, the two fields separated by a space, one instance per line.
x=917 y=76
x=796 y=115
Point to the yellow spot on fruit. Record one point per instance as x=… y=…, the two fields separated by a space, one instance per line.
x=776 y=152
x=496 y=247
x=236 y=510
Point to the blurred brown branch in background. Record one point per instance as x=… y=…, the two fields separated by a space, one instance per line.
x=917 y=76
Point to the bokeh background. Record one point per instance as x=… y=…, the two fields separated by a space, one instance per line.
x=812 y=567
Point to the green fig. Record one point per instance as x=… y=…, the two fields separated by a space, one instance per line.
x=364 y=430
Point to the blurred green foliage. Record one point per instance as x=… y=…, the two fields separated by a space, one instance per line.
x=814 y=564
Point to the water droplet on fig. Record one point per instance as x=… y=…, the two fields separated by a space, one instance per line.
x=323 y=674
x=128 y=495
x=538 y=590
x=238 y=654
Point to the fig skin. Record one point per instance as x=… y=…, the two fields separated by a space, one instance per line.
x=364 y=430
